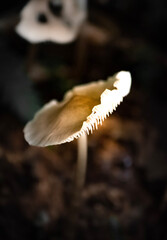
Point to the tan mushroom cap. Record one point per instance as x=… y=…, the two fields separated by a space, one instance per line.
x=82 y=110
x=62 y=29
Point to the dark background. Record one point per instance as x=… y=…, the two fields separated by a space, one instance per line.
x=125 y=194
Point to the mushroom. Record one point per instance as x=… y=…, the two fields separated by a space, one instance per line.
x=81 y=111
x=51 y=20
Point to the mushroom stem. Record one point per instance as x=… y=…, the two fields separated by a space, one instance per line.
x=80 y=173
x=79 y=183
x=81 y=162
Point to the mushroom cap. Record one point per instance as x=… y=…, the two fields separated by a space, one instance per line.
x=82 y=110
x=60 y=29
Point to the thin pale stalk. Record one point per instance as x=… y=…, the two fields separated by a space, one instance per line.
x=81 y=162
x=79 y=183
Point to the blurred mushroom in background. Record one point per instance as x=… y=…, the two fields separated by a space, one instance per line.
x=52 y=20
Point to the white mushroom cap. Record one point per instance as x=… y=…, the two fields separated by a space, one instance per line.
x=60 y=29
x=82 y=110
